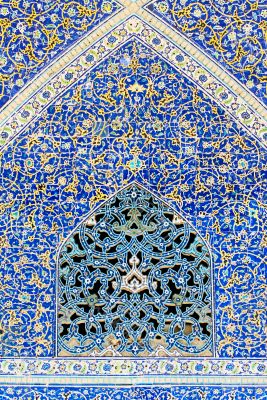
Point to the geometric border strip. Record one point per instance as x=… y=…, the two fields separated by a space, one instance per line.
x=134 y=367
x=177 y=57
x=141 y=380
x=134 y=391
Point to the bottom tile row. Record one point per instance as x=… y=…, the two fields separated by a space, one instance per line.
x=56 y=392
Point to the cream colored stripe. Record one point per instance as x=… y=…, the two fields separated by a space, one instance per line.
x=135 y=380
x=202 y=59
x=137 y=3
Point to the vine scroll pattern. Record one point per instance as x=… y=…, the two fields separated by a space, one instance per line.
x=135 y=281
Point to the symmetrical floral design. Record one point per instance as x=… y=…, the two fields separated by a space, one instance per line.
x=133 y=200
x=35 y=33
x=132 y=118
x=134 y=280
x=134 y=393
x=195 y=71
x=234 y=33
x=128 y=366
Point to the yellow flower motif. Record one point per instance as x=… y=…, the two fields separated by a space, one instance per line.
x=39 y=350
x=107 y=7
x=223 y=298
x=137 y=88
x=23 y=259
x=49 y=168
x=38 y=327
x=116 y=124
x=248 y=341
x=230 y=327
x=156 y=68
x=230 y=351
x=163 y=7
x=62 y=181
x=5 y=23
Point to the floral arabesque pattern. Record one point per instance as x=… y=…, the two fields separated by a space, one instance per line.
x=134 y=393
x=134 y=281
x=133 y=118
x=228 y=100
x=34 y=34
x=234 y=33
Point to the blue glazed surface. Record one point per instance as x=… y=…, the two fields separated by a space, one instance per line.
x=134 y=278
x=133 y=118
x=140 y=393
x=33 y=34
x=231 y=33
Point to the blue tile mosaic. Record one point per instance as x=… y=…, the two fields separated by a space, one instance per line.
x=33 y=34
x=133 y=118
x=233 y=33
x=134 y=280
x=140 y=393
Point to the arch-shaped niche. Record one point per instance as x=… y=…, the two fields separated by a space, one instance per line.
x=134 y=280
